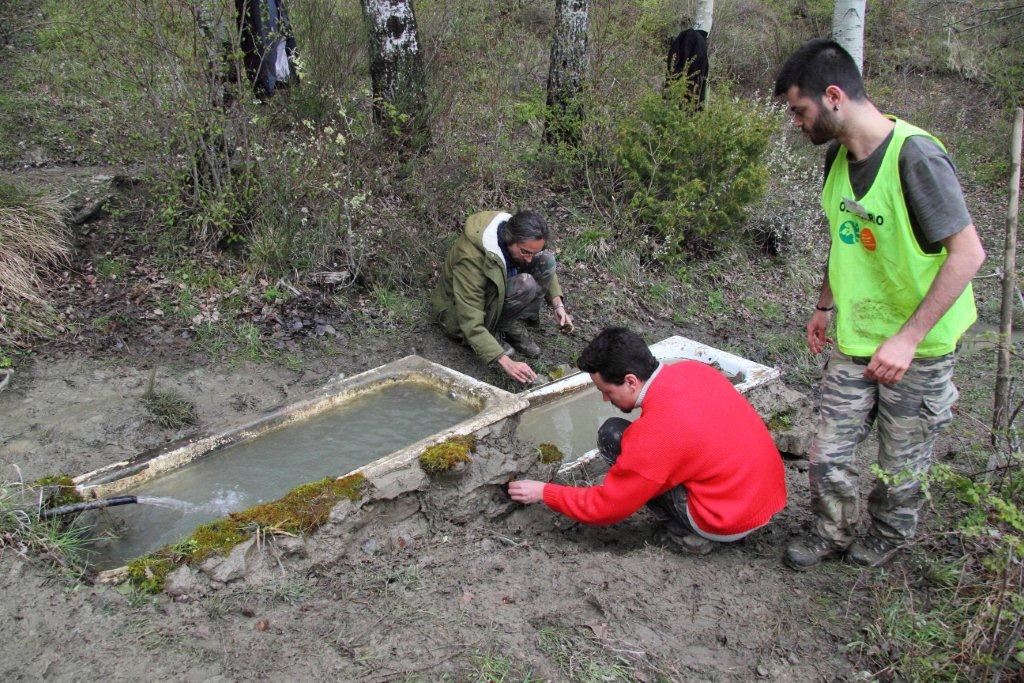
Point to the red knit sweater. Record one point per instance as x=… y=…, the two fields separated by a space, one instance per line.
x=698 y=431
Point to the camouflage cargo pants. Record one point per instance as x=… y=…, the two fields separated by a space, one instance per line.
x=909 y=414
x=525 y=292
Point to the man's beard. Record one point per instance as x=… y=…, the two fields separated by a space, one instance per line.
x=825 y=129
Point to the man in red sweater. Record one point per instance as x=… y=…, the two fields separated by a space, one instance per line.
x=699 y=455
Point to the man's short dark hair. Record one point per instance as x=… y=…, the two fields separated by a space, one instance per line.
x=818 y=64
x=526 y=226
x=615 y=353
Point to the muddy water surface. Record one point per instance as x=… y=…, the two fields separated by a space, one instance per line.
x=571 y=423
x=237 y=477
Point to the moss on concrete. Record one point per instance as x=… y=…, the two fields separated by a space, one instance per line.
x=550 y=453
x=445 y=456
x=303 y=509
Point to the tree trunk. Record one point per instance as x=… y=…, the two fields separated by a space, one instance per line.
x=567 y=70
x=396 y=70
x=848 y=28
x=704 y=15
x=1000 y=412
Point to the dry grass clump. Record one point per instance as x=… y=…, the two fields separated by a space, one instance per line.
x=170 y=409
x=33 y=239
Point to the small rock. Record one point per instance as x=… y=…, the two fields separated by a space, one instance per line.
x=369 y=546
x=235 y=565
x=792 y=659
x=263 y=624
x=292 y=545
x=762 y=671
x=181 y=581
x=248 y=612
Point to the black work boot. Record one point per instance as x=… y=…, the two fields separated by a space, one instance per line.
x=515 y=333
x=809 y=551
x=871 y=551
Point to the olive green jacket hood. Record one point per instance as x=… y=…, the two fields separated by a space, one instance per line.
x=468 y=298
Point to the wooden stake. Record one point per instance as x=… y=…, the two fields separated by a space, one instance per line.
x=1000 y=411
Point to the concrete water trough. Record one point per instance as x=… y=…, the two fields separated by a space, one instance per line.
x=396 y=410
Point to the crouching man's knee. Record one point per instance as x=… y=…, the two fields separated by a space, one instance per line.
x=609 y=437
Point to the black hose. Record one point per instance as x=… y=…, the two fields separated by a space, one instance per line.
x=87 y=505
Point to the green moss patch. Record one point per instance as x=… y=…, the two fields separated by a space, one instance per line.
x=447 y=455
x=302 y=510
x=58 y=490
x=550 y=453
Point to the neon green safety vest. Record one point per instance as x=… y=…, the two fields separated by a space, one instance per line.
x=876 y=268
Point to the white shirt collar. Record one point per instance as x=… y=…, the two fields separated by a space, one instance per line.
x=647 y=385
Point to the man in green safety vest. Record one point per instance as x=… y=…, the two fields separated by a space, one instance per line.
x=903 y=252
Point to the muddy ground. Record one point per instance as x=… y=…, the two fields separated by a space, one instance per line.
x=526 y=595
x=521 y=596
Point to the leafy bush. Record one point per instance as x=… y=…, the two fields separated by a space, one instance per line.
x=694 y=173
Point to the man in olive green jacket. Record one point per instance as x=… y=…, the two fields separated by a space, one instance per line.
x=492 y=283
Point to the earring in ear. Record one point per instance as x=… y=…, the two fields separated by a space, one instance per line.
x=835 y=107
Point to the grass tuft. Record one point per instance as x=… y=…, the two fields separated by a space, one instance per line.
x=33 y=238
x=170 y=409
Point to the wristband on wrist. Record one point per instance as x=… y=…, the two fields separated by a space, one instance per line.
x=557 y=306
x=824 y=309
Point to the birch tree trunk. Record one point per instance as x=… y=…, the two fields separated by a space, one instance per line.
x=567 y=70
x=848 y=28
x=704 y=15
x=396 y=69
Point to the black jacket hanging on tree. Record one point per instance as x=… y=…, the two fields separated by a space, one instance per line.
x=267 y=43
x=689 y=53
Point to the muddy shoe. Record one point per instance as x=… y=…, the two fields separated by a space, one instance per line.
x=809 y=551
x=691 y=543
x=515 y=333
x=872 y=551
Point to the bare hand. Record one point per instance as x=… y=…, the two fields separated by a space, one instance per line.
x=563 y=318
x=891 y=359
x=520 y=372
x=816 y=329
x=526 y=491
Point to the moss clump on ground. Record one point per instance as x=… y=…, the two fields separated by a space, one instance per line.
x=149 y=573
x=58 y=490
x=447 y=455
x=302 y=510
x=550 y=453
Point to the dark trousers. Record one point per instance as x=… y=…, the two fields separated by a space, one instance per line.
x=669 y=507
x=525 y=292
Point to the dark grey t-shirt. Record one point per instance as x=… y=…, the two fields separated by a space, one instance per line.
x=931 y=190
